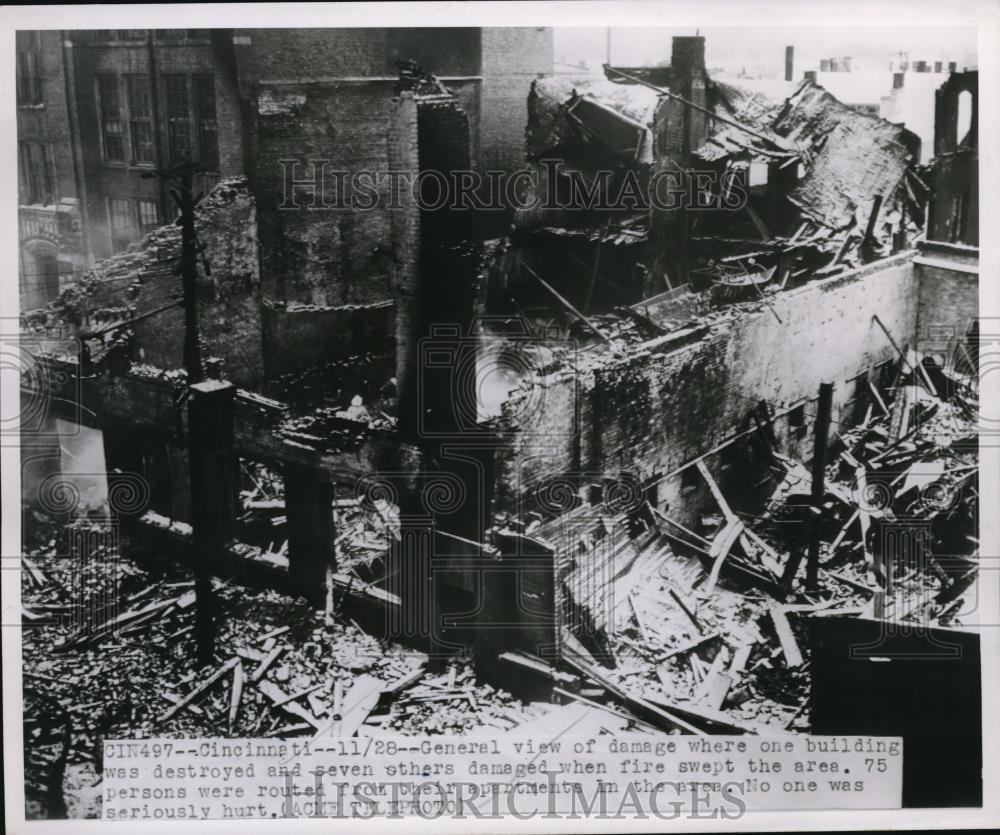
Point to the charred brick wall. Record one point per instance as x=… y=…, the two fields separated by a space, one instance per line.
x=954 y=210
x=949 y=292
x=321 y=249
x=308 y=335
x=271 y=54
x=228 y=299
x=650 y=414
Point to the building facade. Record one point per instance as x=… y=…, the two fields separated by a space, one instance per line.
x=52 y=236
x=100 y=110
x=143 y=100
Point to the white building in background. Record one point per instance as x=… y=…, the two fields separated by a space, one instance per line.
x=903 y=93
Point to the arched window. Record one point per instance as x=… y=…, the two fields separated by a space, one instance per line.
x=963 y=124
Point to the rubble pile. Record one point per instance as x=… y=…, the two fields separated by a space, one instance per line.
x=710 y=626
x=112 y=656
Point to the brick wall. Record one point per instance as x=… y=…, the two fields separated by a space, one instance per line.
x=272 y=54
x=123 y=180
x=513 y=57
x=322 y=256
x=949 y=299
x=650 y=414
x=310 y=336
x=46 y=123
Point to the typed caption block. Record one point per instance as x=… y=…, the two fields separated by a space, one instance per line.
x=629 y=775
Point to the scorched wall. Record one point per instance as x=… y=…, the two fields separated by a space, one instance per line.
x=652 y=412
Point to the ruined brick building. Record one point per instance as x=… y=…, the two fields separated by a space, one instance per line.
x=531 y=417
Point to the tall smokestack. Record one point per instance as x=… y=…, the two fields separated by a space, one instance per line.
x=789 y=63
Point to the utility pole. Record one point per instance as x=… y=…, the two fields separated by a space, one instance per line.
x=189 y=274
x=181 y=181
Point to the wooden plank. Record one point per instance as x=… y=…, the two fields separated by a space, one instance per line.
x=638 y=617
x=721 y=546
x=878 y=398
x=765 y=233
x=268 y=660
x=789 y=646
x=358 y=702
x=691 y=645
x=302 y=693
x=860 y=476
x=651 y=713
x=686 y=610
x=740 y=659
x=824 y=415
x=770 y=564
x=661 y=515
x=716 y=687
x=174 y=698
x=201 y=688
x=576 y=313
x=277 y=695
x=717 y=721
x=235 y=695
x=576 y=697
x=405 y=680
x=664 y=675
x=709 y=683
x=716 y=492
x=564 y=719
x=274 y=633
x=537 y=666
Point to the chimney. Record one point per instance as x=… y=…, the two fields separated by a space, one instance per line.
x=789 y=63
x=687 y=56
x=679 y=130
x=687 y=78
x=897 y=80
x=810 y=75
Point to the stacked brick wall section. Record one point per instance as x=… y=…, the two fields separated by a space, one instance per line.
x=649 y=415
x=949 y=296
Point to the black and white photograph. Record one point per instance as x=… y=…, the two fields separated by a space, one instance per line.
x=500 y=417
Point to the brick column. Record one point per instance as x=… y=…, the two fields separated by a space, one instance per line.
x=309 y=509
x=214 y=466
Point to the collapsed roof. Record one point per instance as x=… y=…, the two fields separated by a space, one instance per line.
x=847 y=158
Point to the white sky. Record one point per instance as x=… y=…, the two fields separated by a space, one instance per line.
x=762 y=49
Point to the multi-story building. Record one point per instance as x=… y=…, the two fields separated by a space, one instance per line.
x=52 y=243
x=142 y=100
x=100 y=110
